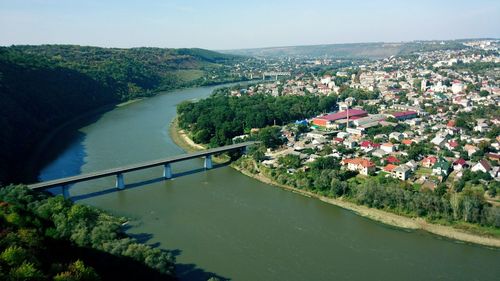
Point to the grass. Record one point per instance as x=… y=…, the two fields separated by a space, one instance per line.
x=189 y=75
x=421 y=171
x=471 y=228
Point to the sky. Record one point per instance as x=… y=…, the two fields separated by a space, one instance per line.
x=225 y=24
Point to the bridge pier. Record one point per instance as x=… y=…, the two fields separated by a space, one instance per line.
x=65 y=191
x=208 y=162
x=119 y=172
x=120 y=183
x=167 y=171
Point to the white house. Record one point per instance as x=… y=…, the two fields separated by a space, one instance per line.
x=438 y=140
x=402 y=172
x=387 y=147
x=396 y=135
x=483 y=166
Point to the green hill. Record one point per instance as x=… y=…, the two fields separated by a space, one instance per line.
x=42 y=87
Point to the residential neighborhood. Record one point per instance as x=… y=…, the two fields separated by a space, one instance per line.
x=426 y=119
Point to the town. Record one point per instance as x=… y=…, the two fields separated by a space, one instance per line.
x=429 y=119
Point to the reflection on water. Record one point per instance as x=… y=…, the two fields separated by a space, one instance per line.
x=69 y=162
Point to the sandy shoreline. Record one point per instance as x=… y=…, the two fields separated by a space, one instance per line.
x=181 y=139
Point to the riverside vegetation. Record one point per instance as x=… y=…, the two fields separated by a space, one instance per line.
x=213 y=121
x=49 y=238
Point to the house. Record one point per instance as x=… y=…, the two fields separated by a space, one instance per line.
x=404 y=115
x=387 y=147
x=396 y=135
x=407 y=142
x=402 y=172
x=451 y=145
x=471 y=149
x=481 y=127
x=412 y=165
x=368 y=145
x=438 y=140
x=459 y=164
x=349 y=143
x=337 y=140
x=493 y=157
x=441 y=167
x=379 y=153
x=483 y=166
x=428 y=162
x=363 y=166
x=390 y=168
x=392 y=160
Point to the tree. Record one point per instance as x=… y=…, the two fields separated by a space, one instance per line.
x=441 y=189
x=257 y=152
x=270 y=137
x=26 y=271
x=290 y=161
x=484 y=93
x=14 y=256
x=323 y=163
x=77 y=271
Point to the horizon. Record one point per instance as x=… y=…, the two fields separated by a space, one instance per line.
x=256 y=48
x=230 y=26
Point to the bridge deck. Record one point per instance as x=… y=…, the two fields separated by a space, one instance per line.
x=135 y=167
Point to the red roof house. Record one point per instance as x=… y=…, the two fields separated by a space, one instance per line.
x=391 y=159
x=428 y=162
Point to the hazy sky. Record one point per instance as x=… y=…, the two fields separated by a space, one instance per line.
x=225 y=24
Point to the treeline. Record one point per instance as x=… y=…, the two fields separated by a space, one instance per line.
x=42 y=87
x=49 y=238
x=220 y=117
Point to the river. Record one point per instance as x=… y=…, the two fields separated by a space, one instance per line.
x=224 y=223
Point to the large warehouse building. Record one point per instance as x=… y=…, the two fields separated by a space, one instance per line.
x=329 y=119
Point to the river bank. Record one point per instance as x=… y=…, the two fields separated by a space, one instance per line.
x=182 y=139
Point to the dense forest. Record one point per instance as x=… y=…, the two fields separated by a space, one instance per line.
x=219 y=118
x=42 y=87
x=50 y=238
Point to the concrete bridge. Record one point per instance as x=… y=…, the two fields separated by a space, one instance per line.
x=275 y=74
x=119 y=171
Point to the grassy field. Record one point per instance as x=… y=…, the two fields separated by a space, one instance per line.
x=189 y=75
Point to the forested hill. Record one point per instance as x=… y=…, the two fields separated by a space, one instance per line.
x=42 y=87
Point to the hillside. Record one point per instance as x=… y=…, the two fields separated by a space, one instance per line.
x=49 y=238
x=42 y=87
x=351 y=50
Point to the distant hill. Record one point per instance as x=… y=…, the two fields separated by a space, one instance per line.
x=42 y=87
x=351 y=50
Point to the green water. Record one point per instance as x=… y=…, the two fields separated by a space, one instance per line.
x=222 y=222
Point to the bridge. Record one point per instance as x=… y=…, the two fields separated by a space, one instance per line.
x=119 y=171
x=275 y=74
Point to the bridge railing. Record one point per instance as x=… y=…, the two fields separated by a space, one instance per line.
x=119 y=171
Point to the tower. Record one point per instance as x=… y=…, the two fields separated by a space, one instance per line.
x=347 y=125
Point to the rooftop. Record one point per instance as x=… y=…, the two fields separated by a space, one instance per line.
x=343 y=114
